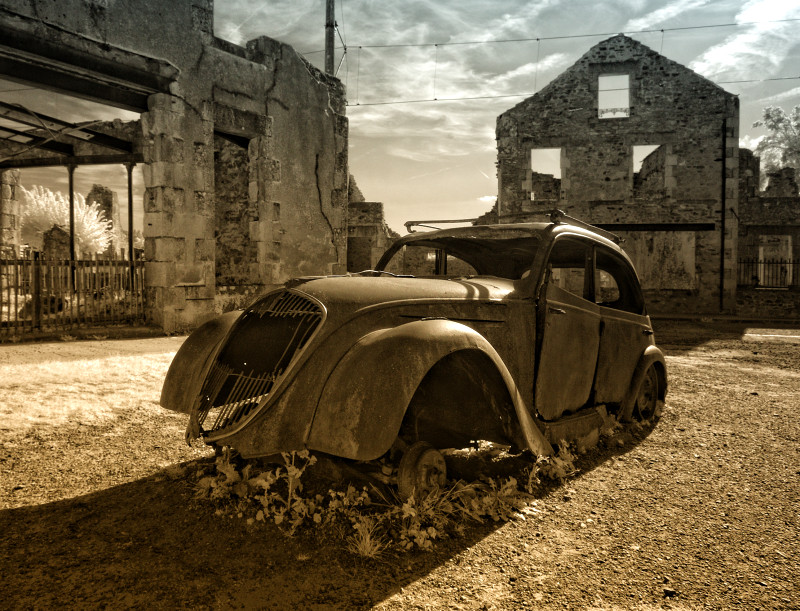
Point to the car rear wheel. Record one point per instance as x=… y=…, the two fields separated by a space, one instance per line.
x=644 y=408
x=421 y=470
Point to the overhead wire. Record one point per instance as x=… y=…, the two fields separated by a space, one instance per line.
x=538 y=41
x=526 y=95
x=570 y=36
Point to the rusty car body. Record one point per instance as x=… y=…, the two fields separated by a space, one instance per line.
x=520 y=334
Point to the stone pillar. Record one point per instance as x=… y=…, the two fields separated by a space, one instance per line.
x=266 y=231
x=178 y=171
x=731 y=252
x=9 y=214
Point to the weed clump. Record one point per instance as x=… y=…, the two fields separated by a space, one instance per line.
x=371 y=521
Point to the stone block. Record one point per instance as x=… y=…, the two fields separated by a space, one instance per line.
x=163 y=199
x=190 y=274
x=159 y=224
x=254 y=231
x=203 y=203
x=167 y=249
x=252 y=191
x=162 y=102
x=162 y=174
x=192 y=226
x=159 y=273
x=161 y=122
x=204 y=250
x=168 y=148
x=206 y=291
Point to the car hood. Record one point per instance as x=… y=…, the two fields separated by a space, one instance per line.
x=359 y=292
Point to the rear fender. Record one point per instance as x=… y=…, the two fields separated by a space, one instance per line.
x=191 y=363
x=362 y=405
x=651 y=356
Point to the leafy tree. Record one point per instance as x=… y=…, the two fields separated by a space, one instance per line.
x=43 y=209
x=780 y=148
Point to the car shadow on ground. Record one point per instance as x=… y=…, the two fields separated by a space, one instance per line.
x=149 y=544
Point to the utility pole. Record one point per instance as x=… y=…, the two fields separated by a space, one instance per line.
x=330 y=24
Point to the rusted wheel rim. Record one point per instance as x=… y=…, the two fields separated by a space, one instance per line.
x=421 y=470
x=646 y=400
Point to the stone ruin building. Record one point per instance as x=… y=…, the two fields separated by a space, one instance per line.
x=643 y=147
x=243 y=149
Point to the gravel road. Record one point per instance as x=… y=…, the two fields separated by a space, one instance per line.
x=700 y=512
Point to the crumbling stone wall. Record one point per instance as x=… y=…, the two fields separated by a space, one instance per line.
x=233 y=212
x=769 y=230
x=781 y=183
x=545 y=187
x=680 y=186
x=286 y=116
x=650 y=181
x=368 y=235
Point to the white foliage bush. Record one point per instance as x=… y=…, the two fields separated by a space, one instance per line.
x=43 y=209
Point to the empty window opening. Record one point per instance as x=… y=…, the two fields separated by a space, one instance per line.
x=545 y=174
x=648 y=166
x=613 y=96
x=640 y=153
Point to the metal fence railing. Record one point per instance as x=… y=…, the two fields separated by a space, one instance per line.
x=38 y=294
x=769 y=273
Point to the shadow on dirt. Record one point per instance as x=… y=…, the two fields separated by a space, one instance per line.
x=149 y=544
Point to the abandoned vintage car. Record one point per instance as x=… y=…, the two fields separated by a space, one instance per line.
x=520 y=334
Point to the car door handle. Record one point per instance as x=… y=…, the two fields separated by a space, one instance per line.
x=647 y=331
x=557 y=310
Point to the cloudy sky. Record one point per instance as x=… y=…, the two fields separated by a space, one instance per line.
x=436 y=159
x=418 y=142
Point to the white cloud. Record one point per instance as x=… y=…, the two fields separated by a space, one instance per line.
x=759 y=49
x=487 y=199
x=749 y=142
x=665 y=13
x=792 y=95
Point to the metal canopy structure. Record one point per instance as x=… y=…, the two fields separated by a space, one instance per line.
x=32 y=134
x=32 y=131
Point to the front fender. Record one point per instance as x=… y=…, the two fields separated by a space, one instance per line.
x=364 y=400
x=651 y=356
x=192 y=361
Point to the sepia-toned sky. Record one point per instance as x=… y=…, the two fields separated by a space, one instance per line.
x=436 y=159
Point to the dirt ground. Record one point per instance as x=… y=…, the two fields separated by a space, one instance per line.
x=701 y=512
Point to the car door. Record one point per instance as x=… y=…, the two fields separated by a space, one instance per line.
x=568 y=330
x=625 y=330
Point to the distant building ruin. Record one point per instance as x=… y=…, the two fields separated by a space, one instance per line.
x=640 y=145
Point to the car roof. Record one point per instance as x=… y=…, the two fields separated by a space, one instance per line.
x=540 y=230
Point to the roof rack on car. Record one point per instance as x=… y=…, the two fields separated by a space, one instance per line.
x=410 y=224
x=558 y=216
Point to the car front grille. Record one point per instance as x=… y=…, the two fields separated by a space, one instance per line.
x=262 y=345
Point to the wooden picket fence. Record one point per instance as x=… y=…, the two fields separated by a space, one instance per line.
x=43 y=295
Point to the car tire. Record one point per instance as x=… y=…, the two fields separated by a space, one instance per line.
x=644 y=406
x=422 y=469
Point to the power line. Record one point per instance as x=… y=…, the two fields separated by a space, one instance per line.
x=570 y=36
x=527 y=95
x=565 y=37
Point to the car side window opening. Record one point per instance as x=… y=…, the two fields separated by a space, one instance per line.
x=569 y=259
x=615 y=283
